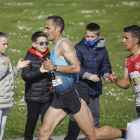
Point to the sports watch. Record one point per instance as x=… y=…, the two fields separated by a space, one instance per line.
x=54 y=68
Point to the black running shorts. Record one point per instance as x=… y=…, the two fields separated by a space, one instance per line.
x=70 y=100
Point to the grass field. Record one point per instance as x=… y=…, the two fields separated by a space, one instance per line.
x=19 y=19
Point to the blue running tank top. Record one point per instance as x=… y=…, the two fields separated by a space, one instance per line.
x=68 y=79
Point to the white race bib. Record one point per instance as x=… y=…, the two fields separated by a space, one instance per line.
x=57 y=81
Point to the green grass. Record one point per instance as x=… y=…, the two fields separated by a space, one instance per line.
x=19 y=19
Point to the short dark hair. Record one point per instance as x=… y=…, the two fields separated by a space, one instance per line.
x=3 y=35
x=57 y=21
x=37 y=34
x=93 y=27
x=134 y=30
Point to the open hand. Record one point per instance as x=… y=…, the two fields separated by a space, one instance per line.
x=22 y=64
x=94 y=78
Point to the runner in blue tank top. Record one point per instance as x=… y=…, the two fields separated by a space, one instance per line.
x=67 y=79
x=69 y=97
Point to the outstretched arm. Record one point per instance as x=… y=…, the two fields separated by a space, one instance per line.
x=123 y=83
x=20 y=65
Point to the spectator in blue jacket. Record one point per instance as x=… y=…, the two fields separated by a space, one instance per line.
x=94 y=60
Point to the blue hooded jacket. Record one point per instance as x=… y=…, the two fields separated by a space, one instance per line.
x=94 y=60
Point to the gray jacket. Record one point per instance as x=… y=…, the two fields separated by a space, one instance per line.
x=7 y=77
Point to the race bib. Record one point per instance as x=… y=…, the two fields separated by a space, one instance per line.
x=57 y=81
x=135 y=77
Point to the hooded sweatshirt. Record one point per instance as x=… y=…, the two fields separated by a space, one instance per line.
x=94 y=60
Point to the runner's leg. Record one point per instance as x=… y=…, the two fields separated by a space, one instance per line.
x=51 y=119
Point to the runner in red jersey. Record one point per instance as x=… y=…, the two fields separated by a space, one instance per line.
x=134 y=72
x=131 y=41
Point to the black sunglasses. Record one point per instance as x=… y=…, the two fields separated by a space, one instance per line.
x=42 y=43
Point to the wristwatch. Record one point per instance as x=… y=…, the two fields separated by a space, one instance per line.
x=54 y=68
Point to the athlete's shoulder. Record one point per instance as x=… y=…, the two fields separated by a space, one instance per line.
x=66 y=43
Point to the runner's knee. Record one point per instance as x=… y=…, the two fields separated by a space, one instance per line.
x=45 y=133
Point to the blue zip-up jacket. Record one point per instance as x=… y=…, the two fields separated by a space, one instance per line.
x=94 y=60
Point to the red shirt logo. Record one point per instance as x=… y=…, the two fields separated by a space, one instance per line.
x=137 y=65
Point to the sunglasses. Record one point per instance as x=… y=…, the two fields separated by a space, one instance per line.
x=42 y=43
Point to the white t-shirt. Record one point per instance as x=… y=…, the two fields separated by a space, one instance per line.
x=133 y=132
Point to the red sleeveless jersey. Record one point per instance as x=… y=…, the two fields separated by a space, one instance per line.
x=134 y=72
x=133 y=65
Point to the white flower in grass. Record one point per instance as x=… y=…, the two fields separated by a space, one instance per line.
x=117 y=98
x=41 y=28
x=40 y=17
x=107 y=93
x=125 y=3
x=23 y=91
x=134 y=96
x=26 y=10
x=125 y=98
x=49 y=4
x=10 y=33
x=118 y=89
x=14 y=33
x=80 y=23
x=119 y=39
x=68 y=36
x=77 y=37
x=97 y=11
x=106 y=5
x=73 y=4
x=29 y=28
x=86 y=11
x=59 y=4
x=130 y=99
x=120 y=67
x=21 y=27
x=105 y=87
x=87 y=16
x=132 y=3
x=18 y=21
x=112 y=89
